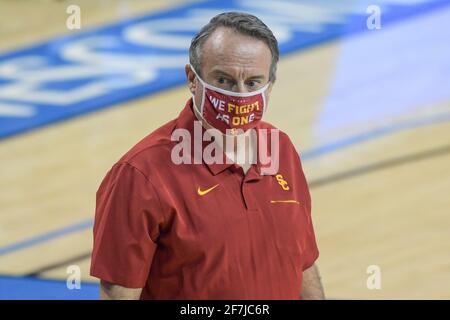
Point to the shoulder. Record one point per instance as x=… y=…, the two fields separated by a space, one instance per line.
x=284 y=139
x=151 y=152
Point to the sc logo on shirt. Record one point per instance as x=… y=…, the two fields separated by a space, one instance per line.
x=283 y=183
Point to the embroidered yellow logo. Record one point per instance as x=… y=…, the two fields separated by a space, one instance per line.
x=285 y=201
x=283 y=183
x=203 y=192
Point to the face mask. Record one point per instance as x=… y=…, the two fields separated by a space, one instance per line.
x=223 y=109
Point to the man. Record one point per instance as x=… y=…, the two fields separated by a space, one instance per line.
x=172 y=223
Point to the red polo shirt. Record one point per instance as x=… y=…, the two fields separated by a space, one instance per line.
x=203 y=231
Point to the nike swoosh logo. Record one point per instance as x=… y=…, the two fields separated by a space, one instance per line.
x=203 y=192
x=285 y=201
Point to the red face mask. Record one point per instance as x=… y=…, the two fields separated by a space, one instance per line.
x=228 y=111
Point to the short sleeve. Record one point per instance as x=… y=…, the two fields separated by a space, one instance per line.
x=127 y=220
x=311 y=251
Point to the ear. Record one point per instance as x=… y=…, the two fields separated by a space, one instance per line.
x=190 y=76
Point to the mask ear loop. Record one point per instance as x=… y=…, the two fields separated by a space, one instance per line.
x=264 y=101
x=202 y=104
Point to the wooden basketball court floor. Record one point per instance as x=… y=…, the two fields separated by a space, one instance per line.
x=381 y=201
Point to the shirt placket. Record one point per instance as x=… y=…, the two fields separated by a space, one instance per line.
x=247 y=188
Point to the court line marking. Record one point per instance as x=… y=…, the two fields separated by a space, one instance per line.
x=305 y=156
x=313 y=184
x=21 y=288
x=109 y=91
x=374 y=134
x=60 y=264
x=46 y=237
x=380 y=165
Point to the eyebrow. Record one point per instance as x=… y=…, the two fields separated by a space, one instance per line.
x=220 y=72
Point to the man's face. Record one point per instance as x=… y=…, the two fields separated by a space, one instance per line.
x=233 y=62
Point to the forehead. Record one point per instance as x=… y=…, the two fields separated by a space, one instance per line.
x=228 y=50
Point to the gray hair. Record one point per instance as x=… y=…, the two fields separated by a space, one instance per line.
x=243 y=23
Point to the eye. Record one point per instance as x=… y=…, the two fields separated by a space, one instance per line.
x=224 y=83
x=253 y=83
x=222 y=80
